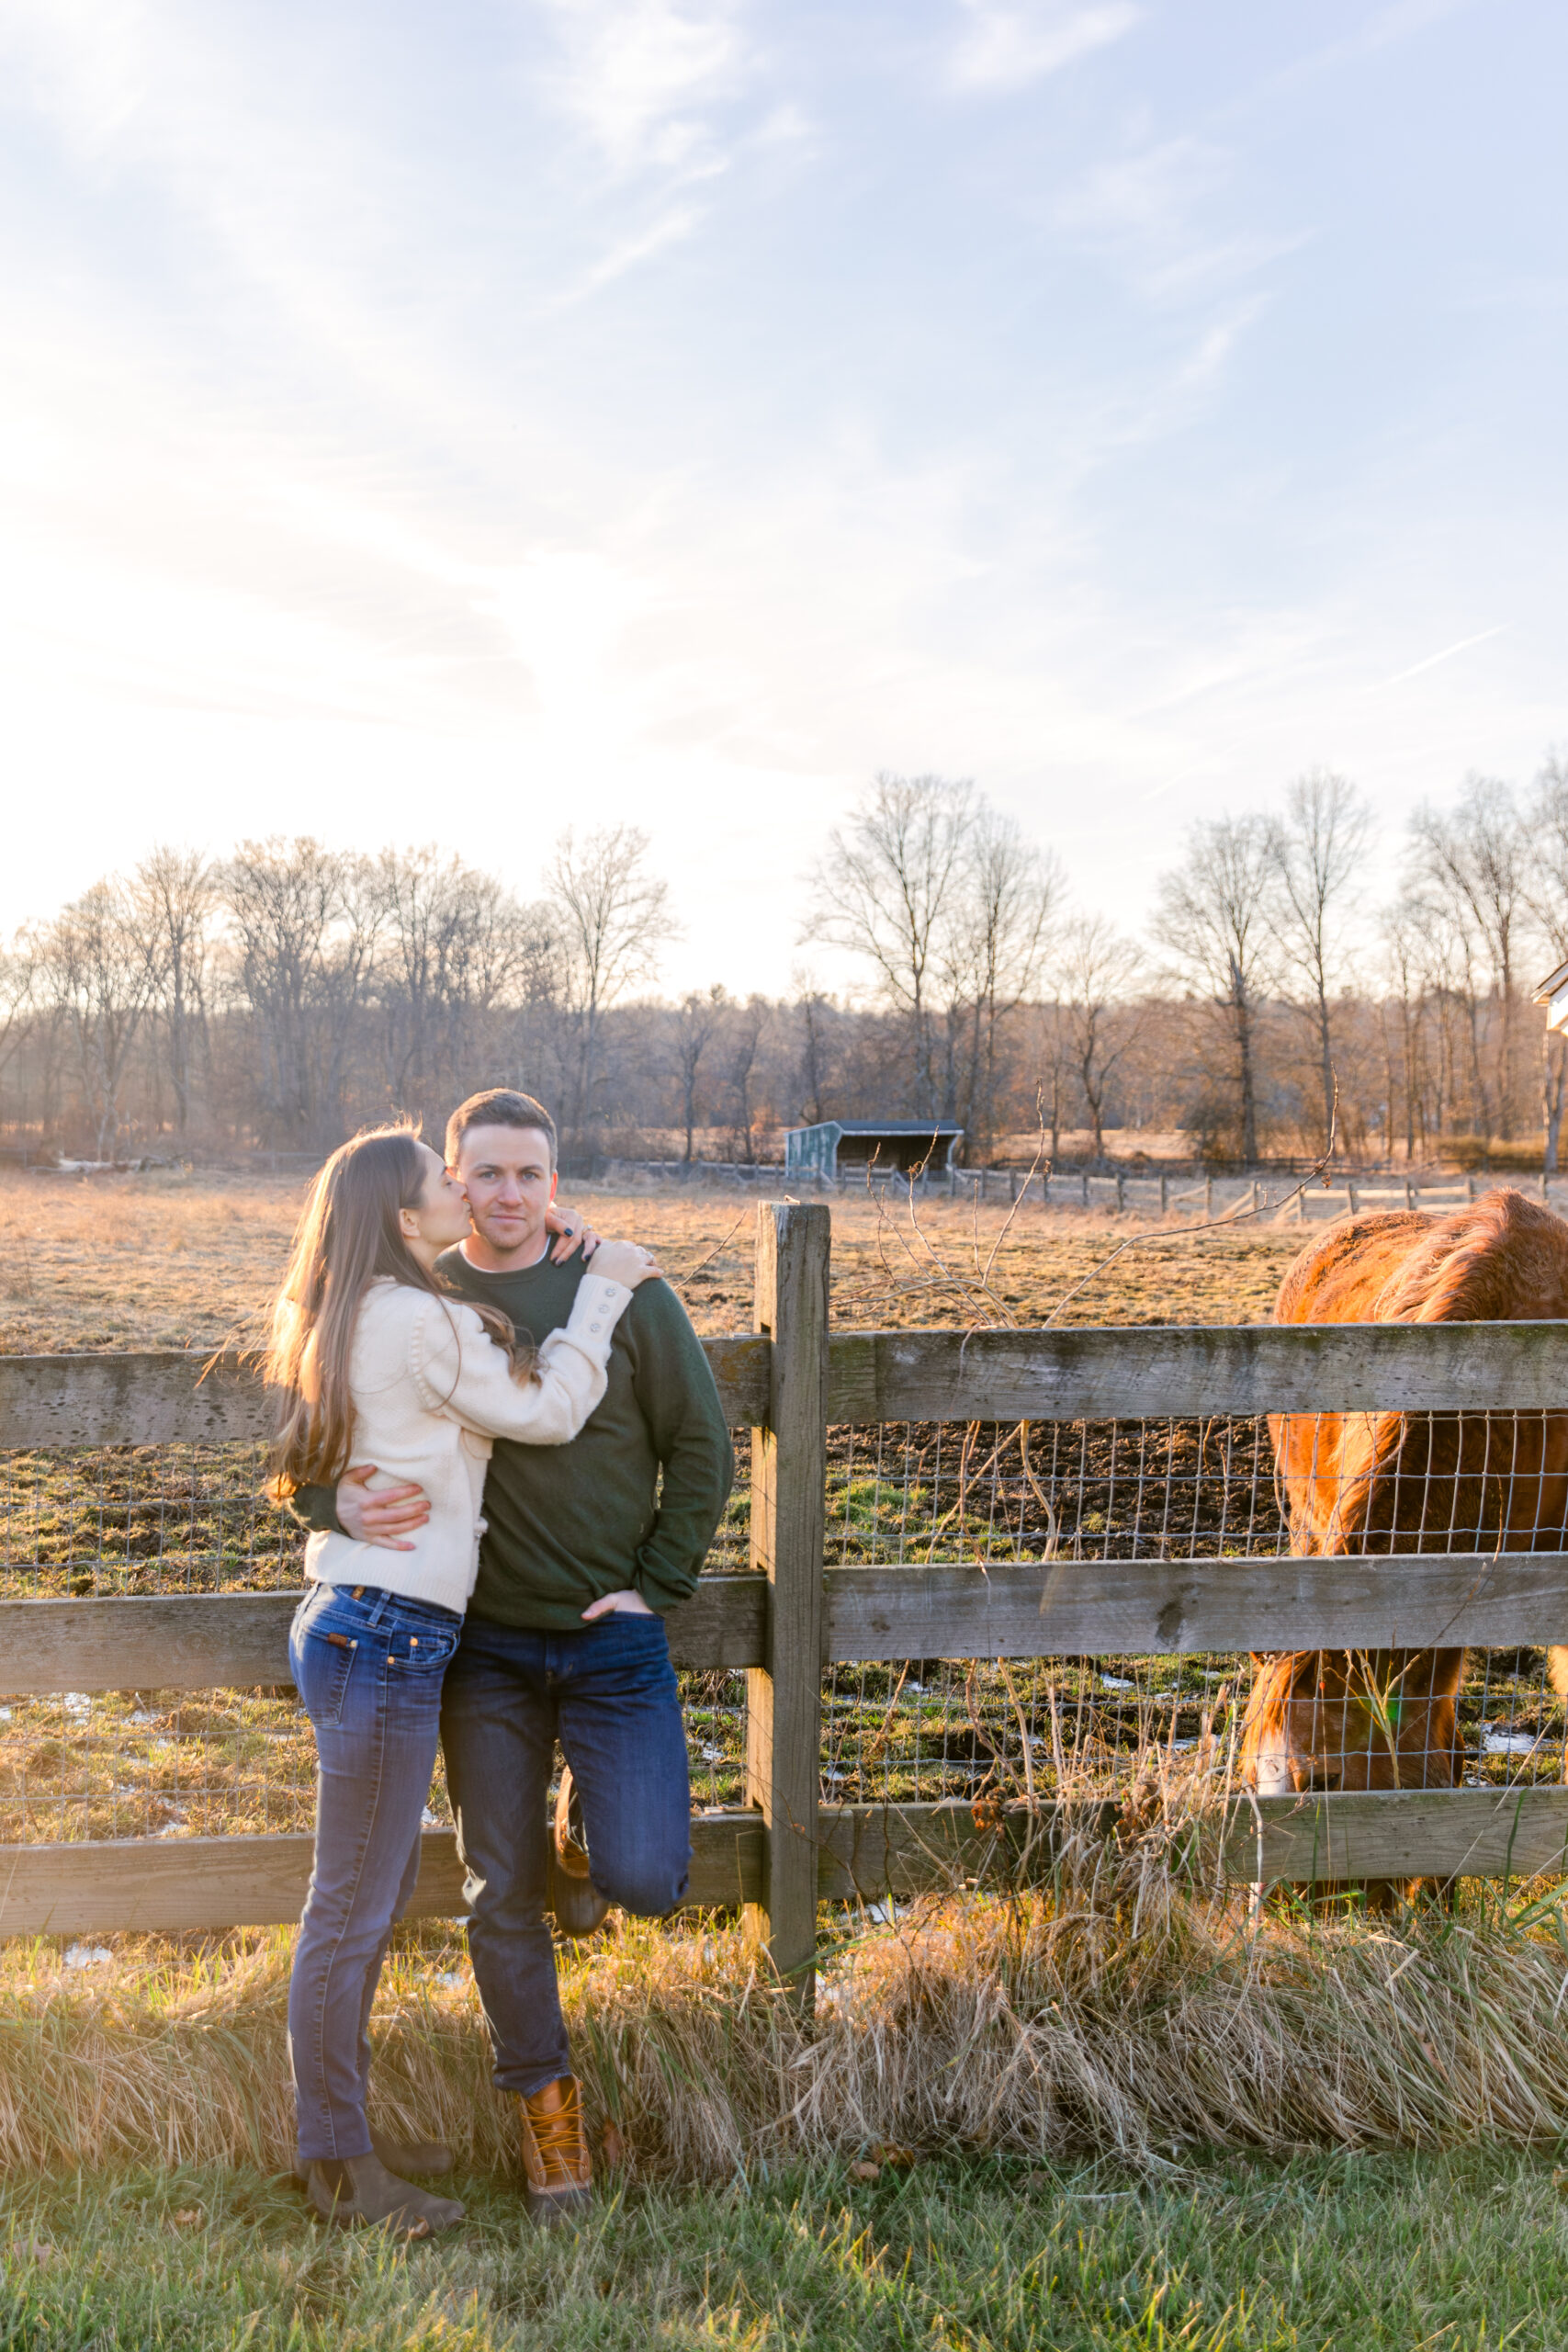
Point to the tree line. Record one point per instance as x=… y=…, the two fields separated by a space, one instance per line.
x=282 y=995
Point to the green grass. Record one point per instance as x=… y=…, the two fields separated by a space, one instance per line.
x=1464 y=2253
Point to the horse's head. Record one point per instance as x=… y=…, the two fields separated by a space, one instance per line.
x=1352 y=1719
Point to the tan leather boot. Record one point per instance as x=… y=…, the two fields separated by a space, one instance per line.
x=555 y=2150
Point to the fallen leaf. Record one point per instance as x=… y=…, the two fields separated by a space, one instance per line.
x=612 y=2147
x=865 y=2172
x=1560 y=2181
x=189 y=2217
x=899 y=2159
x=42 y=2251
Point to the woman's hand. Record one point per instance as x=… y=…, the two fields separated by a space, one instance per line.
x=618 y=1605
x=575 y=1233
x=625 y=1261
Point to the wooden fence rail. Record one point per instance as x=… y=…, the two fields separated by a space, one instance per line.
x=788 y=1381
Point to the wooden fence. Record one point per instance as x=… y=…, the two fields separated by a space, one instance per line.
x=788 y=1617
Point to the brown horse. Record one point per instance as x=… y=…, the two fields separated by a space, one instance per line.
x=1389 y=1482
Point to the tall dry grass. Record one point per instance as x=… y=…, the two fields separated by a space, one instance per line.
x=1116 y=2009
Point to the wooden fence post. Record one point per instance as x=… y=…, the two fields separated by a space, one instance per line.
x=789 y=1467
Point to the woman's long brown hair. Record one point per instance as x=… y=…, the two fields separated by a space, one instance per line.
x=348 y=1238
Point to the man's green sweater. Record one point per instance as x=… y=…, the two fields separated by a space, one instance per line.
x=634 y=1500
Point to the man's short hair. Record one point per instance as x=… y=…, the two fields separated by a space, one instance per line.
x=498 y=1106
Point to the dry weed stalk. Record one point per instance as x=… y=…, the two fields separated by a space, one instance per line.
x=1112 y=2008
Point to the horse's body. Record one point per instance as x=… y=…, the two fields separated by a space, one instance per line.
x=1461 y=1481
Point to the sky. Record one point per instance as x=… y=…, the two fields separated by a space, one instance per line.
x=455 y=424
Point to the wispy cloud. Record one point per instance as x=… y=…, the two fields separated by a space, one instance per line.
x=1447 y=654
x=1006 y=45
x=640 y=78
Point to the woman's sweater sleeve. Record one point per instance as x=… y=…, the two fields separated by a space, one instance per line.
x=463 y=1373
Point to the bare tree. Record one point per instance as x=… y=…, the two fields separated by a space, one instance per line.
x=744 y=1030
x=304 y=921
x=1316 y=852
x=813 y=1008
x=1213 y=918
x=1097 y=970
x=995 y=939
x=885 y=891
x=612 y=920
x=101 y=980
x=18 y=1006
x=1471 y=863
x=1546 y=889
x=454 y=945
x=1402 y=1004
x=697 y=1023
x=173 y=894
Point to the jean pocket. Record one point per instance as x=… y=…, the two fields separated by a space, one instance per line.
x=323 y=1660
x=428 y=1650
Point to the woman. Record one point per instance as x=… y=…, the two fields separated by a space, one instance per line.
x=373 y=1360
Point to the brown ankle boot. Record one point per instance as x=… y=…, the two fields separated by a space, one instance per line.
x=555 y=2150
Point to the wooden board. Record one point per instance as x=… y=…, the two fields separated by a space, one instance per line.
x=56 y=1401
x=169 y=1887
x=238 y=1641
x=166 y=1399
x=1064 y=1609
x=150 y=1886
x=1153 y=1608
x=1170 y=1373
x=1436 y=1833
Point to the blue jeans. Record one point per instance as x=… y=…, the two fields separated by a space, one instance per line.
x=608 y=1694
x=369 y=1669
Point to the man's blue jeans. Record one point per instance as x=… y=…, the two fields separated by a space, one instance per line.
x=369 y=1669
x=608 y=1694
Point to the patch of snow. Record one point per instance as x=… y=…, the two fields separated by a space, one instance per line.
x=1509 y=1743
x=428 y=1820
x=1116 y=1682
x=87 y=1956
x=78 y=1703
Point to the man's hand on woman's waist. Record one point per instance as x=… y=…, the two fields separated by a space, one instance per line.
x=380 y=1515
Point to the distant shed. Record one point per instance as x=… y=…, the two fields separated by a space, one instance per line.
x=843 y=1146
x=1553 y=993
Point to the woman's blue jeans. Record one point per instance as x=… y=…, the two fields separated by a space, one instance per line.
x=369 y=1667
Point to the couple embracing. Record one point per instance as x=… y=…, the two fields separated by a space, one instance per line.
x=506 y=1440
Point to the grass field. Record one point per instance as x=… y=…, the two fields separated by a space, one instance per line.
x=170 y=1262
x=1371 y=2254
x=1391 y=2101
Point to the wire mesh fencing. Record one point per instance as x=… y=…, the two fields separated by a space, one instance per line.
x=191 y=1518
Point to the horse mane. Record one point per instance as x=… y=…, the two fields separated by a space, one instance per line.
x=1503 y=1259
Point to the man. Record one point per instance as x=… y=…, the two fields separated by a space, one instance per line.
x=583 y=1549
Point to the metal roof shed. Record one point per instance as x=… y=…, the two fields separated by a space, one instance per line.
x=835 y=1148
x=1553 y=993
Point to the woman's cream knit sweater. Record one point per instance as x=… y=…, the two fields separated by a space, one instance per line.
x=431 y=1389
